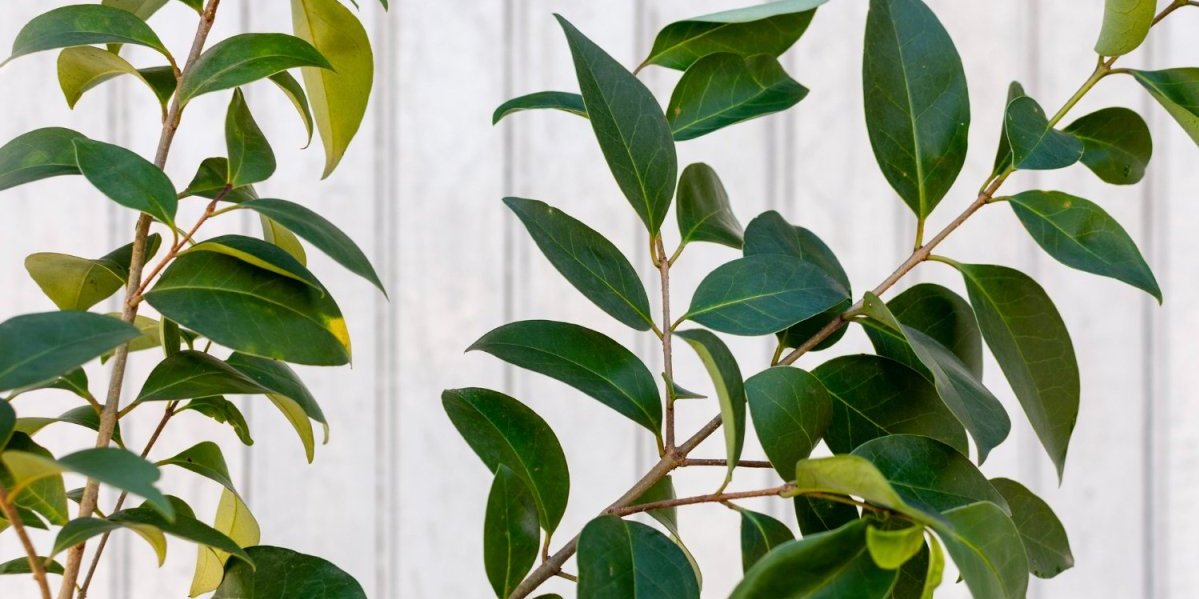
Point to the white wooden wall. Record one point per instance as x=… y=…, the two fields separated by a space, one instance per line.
x=397 y=499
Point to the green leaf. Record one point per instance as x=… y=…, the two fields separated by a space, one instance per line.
x=8 y=422
x=261 y=254
x=39 y=347
x=975 y=407
x=759 y=295
x=704 y=213
x=294 y=92
x=584 y=359
x=759 y=535
x=223 y=411
x=510 y=532
x=306 y=576
x=82 y=68
x=791 y=411
x=848 y=474
x=245 y=58
x=632 y=131
x=548 y=100
x=74 y=381
x=85 y=416
x=1177 y=90
x=831 y=564
x=276 y=234
x=210 y=182
x=875 y=396
x=1043 y=535
x=1117 y=144
x=340 y=94
x=725 y=88
x=21 y=566
x=1126 y=24
x=927 y=474
x=815 y=515
x=318 y=231
x=184 y=526
x=191 y=374
x=39 y=154
x=81 y=530
x=987 y=550
x=84 y=25
x=503 y=431
x=942 y=315
x=204 y=459
x=922 y=574
x=1035 y=144
x=74 y=283
x=1029 y=340
x=663 y=490
x=587 y=260
x=917 y=105
x=629 y=560
x=234 y=520
x=45 y=495
x=769 y=28
x=891 y=549
x=251 y=159
x=1079 y=234
x=730 y=390
x=114 y=467
x=1003 y=158
x=681 y=393
x=144 y=9
x=262 y=313
x=127 y=179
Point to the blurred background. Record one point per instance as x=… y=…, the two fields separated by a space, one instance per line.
x=397 y=499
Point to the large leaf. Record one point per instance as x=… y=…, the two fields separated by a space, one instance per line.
x=703 y=211
x=942 y=315
x=74 y=283
x=183 y=525
x=763 y=294
x=339 y=94
x=505 y=432
x=1079 y=234
x=770 y=28
x=245 y=58
x=1035 y=144
x=927 y=474
x=629 y=560
x=1178 y=92
x=127 y=179
x=875 y=396
x=39 y=154
x=80 y=530
x=84 y=25
x=295 y=93
x=510 y=532
x=262 y=313
x=191 y=374
x=279 y=573
x=594 y=265
x=730 y=389
x=288 y=393
x=917 y=106
x=987 y=550
x=632 y=131
x=1033 y=347
x=117 y=468
x=816 y=515
x=725 y=88
x=1126 y=23
x=80 y=69
x=791 y=411
x=1117 y=144
x=759 y=535
x=584 y=359
x=259 y=253
x=250 y=156
x=47 y=495
x=1044 y=536
x=38 y=347
x=234 y=520
x=564 y=101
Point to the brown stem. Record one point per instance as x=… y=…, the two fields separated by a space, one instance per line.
x=178 y=246
x=108 y=417
x=712 y=498
x=35 y=562
x=723 y=463
x=667 y=360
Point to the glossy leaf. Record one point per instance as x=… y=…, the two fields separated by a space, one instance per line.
x=1029 y=340
x=927 y=474
x=873 y=397
x=503 y=431
x=204 y=459
x=510 y=532
x=759 y=295
x=725 y=88
x=245 y=58
x=21 y=566
x=81 y=530
x=759 y=535
x=183 y=525
x=1117 y=144
x=584 y=359
x=942 y=315
x=223 y=411
x=1003 y=157
x=632 y=131
x=210 y=181
x=46 y=496
x=339 y=93
x=114 y=467
x=1177 y=90
x=39 y=154
x=619 y=559
x=278 y=235
x=295 y=93
x=251 y=159
x=816 y=515
x=84 y=25
x=1035 y=144
x=144 y=9
x=1126 y=24
x=74 y=283
x=551 y=100
x=280 y=573
x=1044 y=536
x=791 y=411
x=663 y=490
x=83 y=68
x=85 y=416
x=848 y=474
x=921 y=575
x=1079 y=234
x=917 y=106
x=704 y=212
x=38 y=347
x=770 y=28
x=191 y=374
x=262 y=254
x=730 y=389
x=234 y=520
x=263 y=314
x=588 y=261
x=987 y=550
x=127 y=179
x=891 y=549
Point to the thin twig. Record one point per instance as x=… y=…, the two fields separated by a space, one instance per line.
x=723 y=463
x=712 y=498
x=35 y=562
x=188 y=237
x=667 y=359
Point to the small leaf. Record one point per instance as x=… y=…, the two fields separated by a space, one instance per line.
x=848 y=475
x=294 y=92
x=1044 y=536
x=223 y=411
x=922 y=574
x=74 y=283
x=37 y=155
x=730 y=390
x=724 y=88
x=663 y=490
x=35 y=348
x=251 y=159
x=1003 y=158
x=564 y=101
x=891 y=549
x=191 y=374
x=942 y=315
x=114 y=467
x=759 y=535
x=1126 y=24
x=584 y=359
x=1035 y=144
x=927 y=474
x=234 y=520
x=246 y=58
x=262 y=254
x=987 y=550
x=510 y=532
x=1117 y=144
x=791 y=410
x=1177 y=90
x=306 y=576
x=80 y=69
x=127 y=179
x=21 y=566
x=503 y=431
x=84 y=25
x=769 y=28
x=759 y=295
x=629 y=560
x=1079 y=234
x=184 y=526
x=204 y=459
x=630 y=127
x=588 y=261
x=211 y=179
x=81 y=530
x=704 y=213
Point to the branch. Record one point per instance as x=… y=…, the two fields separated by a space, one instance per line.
x=723 y=463
x=712 y=498
x=35 y=562
x=667 y=359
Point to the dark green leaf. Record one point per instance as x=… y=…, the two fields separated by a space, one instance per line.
x=1117 y=144
x=38 y=347
x=730 y=390
x=81 y=530
x=759 y=535
x=510 y=532
x=503 y=431
x=204 y=459
x=759 y=295
x=191 y=374
x=47 y=495
x=942 y=315
x=629 y=560
x=927 y=474
x=1044 y=536
x=588 y=261
x=1178 y=92
x=630 y=127
x=183 y=525
x=283 y=574
x=114 y=467
x=1035 y=144
x=770 y=28
x=815 y=515
x=74 y=283
x=245 y=58
x=723 y=89
x=564 y=101
x=917 y=106
x=922 y=574
x=264 y=255
x=21 y=566
x=987 y=550
x=250 y=156
x=294 y=92
x=210 y=180
x=584 y=359
x=127 y=179
x=791 y=411
x=1029 y=340
x=37 y=155
x=1126 y=23
x=279 y=379
x=703 y=211
x=223 y=411
x=681 y=393
x=663 y=490
x=8 y=422
x=84 y=25
x=85 y=416
x=1003 y=158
